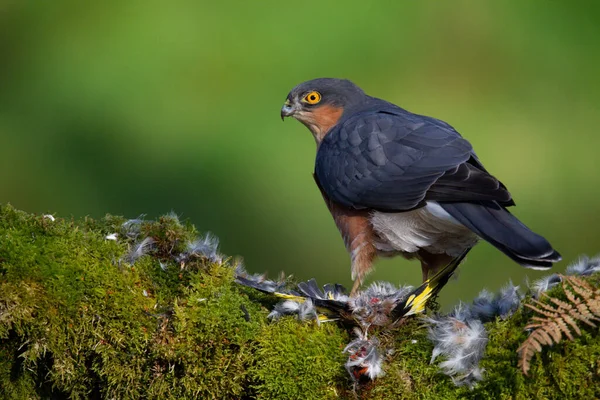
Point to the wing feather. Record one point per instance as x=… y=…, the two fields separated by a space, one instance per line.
x=392 y=160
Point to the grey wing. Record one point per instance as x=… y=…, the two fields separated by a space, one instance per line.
x=395 y=161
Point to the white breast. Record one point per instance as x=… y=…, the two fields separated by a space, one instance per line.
x=430 y=228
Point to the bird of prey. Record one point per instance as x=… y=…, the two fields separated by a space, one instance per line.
x=398 y=183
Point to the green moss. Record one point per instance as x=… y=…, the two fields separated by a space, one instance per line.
x=77 y=321
x=295 y=361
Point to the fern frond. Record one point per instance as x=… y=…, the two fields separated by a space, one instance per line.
x=562 y=305
x=581 y=287
x=569 y=320
x=557 y=317
x=546 y=310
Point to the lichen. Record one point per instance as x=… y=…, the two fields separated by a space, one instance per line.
x=78 y=320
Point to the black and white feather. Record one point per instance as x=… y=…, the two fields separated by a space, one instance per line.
x=544 y=284
x=203 y=247
x=365 y=359
x=304 y=310
x=260 y=281
x=585 y=266
x=461 y=342
x=132 y=227
x=139 y=250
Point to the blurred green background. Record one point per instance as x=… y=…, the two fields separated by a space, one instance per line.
x=142 y=107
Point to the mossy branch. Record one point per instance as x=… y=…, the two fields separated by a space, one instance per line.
x=79 y=320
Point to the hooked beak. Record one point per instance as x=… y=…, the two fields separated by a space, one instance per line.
x=288 y=109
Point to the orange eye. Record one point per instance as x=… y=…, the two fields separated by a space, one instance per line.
x=313 y=97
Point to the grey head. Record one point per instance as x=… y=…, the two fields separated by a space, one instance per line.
x=309 y=95
x=320 y=103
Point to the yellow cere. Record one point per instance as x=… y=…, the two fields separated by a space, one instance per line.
x=313 y=97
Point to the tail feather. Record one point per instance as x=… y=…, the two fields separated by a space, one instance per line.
x=504 y=231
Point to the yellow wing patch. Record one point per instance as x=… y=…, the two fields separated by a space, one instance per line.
x=324 y=315
x=287 y=296
x=417 y=303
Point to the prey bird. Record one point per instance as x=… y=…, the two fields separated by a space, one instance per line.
x=398 y=183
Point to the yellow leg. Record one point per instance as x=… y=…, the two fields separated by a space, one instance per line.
x=355 y=287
